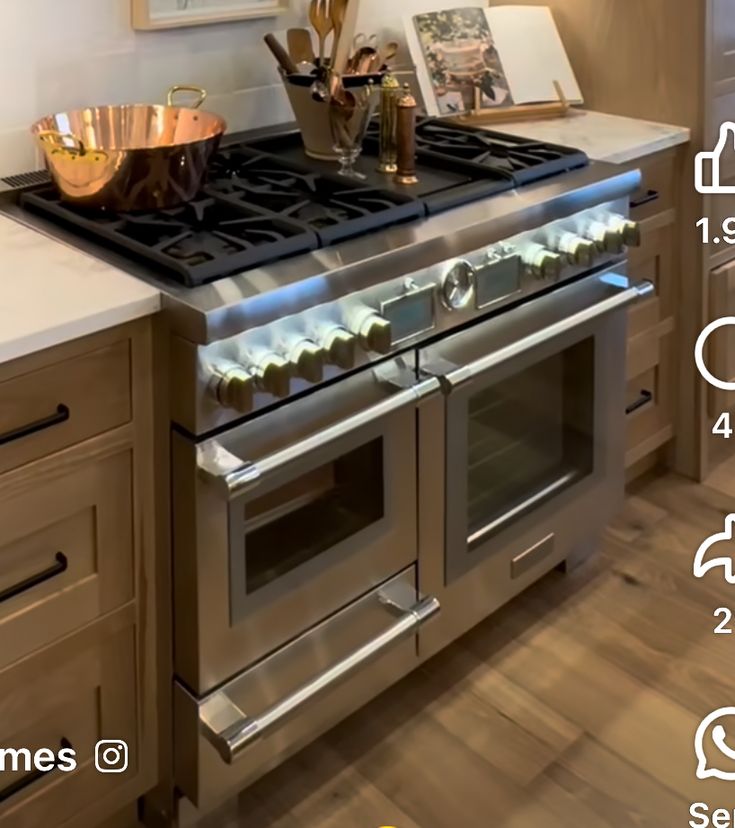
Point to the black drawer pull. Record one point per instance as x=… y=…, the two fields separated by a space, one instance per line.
x=644 y=198
x=60 y=566
x=645 y=398
x=61 y=416
x=26 y=781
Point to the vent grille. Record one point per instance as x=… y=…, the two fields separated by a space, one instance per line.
x=22 y=180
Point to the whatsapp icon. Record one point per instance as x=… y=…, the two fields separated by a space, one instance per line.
x=712 y=740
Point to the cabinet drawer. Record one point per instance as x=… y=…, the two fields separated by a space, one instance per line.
x=657 y=191
x=649 y=422
x=653 y=261
x=66 y=547
x=70 y=695
x=64 y=403
x=206 y=777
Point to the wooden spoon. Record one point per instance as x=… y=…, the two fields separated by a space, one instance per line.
x=338 y=10
x=300 y=46
x=388 y=52
x=321 y=22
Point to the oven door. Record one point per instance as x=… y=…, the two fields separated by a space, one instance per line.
x=533 y=428
x=284 y=520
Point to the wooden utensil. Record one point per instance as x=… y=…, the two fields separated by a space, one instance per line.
x=280 y=54
x=343 y=43
x=337 y=12
x=321 y=21
x=300 y=46
x=388 y=51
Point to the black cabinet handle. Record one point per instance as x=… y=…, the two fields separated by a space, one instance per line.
x=60 y=566
x=644 y=198
x=26 y=781
x=61 y=416
x=645 y=398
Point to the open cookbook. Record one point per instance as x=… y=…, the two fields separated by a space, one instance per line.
x=469 y=58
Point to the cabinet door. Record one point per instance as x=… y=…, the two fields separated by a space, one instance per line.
x=720 y=353
x=723 y=40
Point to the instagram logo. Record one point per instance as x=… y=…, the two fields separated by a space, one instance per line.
x=111 y=756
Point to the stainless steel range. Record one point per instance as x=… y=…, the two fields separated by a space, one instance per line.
x=369 y=432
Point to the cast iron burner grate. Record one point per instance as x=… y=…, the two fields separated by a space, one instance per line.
x=265 y=200
x=330 y=207
x=198 y=242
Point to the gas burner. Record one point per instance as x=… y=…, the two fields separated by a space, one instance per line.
x=265 y=200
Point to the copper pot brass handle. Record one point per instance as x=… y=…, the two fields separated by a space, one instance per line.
x=59 y=139
x=53 y=136
x=197 y=90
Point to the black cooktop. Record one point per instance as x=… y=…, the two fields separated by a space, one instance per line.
x=265 y=200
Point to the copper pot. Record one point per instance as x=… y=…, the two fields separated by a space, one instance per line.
x=130 y=157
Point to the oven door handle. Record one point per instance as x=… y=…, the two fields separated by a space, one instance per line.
x=620 y=297
x=232 y=740
x=235 y=476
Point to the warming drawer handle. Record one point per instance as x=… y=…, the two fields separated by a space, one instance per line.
x=232 y=742
x=624 y=297
x=236 y=476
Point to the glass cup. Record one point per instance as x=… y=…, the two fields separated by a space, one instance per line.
x=350 y=111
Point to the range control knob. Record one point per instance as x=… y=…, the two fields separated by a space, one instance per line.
x=630 y=230
x=234 y=387
x=578 y=251
x=458 y=285
x=608 y=239
x=340 y=345
x=542 y=262
x=375 y=334
x=273 y=375
x=307 y=360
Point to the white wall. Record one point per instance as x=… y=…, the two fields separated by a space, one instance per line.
x=62 y=54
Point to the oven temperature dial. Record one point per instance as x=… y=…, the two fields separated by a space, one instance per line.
x=458 y=285
x=578 y=251
x=607 y=238
x=629 y=230
x=339 y=346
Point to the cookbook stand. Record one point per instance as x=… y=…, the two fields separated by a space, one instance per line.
x=524 y=112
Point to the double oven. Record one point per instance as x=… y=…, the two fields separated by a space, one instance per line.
x=313 y=543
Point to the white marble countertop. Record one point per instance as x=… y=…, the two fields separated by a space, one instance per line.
x=51 y=293
x=603 y=137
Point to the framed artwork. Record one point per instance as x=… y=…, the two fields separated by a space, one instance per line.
x=171 y=14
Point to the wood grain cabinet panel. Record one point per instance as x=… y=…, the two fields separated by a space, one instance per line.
x=63 y=403
x=66 y=547
x=71 y=696
x=723 y=41
x=720 y=350
x=649 y=406
x=653 y=261
x=657 y=191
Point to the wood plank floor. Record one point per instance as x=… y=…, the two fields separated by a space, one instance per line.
x=574 y=706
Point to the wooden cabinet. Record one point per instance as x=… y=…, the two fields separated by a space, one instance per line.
x=78 y=575
x=720 y=350
x=723 y=41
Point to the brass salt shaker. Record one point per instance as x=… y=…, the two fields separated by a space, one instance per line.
x=390 y=91
x=406 y=138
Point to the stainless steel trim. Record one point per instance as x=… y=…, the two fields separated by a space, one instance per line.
x=521 y=564
x=625 y=296
x=236 y=476
x=234 y=739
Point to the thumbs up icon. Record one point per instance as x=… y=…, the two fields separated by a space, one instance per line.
x=712 y=160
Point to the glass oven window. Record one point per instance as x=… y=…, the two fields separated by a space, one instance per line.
x=312 y=513
x=530 y=437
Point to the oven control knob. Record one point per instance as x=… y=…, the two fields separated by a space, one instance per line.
x=375 y=334
x=578 y=251
x=307 y=360
x=542 y=262
x=607 y=238
x=339 y=346
x=273 y=375
x=630 y=230
x=234 y=387
x=458 y=286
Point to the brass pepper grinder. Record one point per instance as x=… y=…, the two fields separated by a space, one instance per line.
x=406 y=138
x=390 y=91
